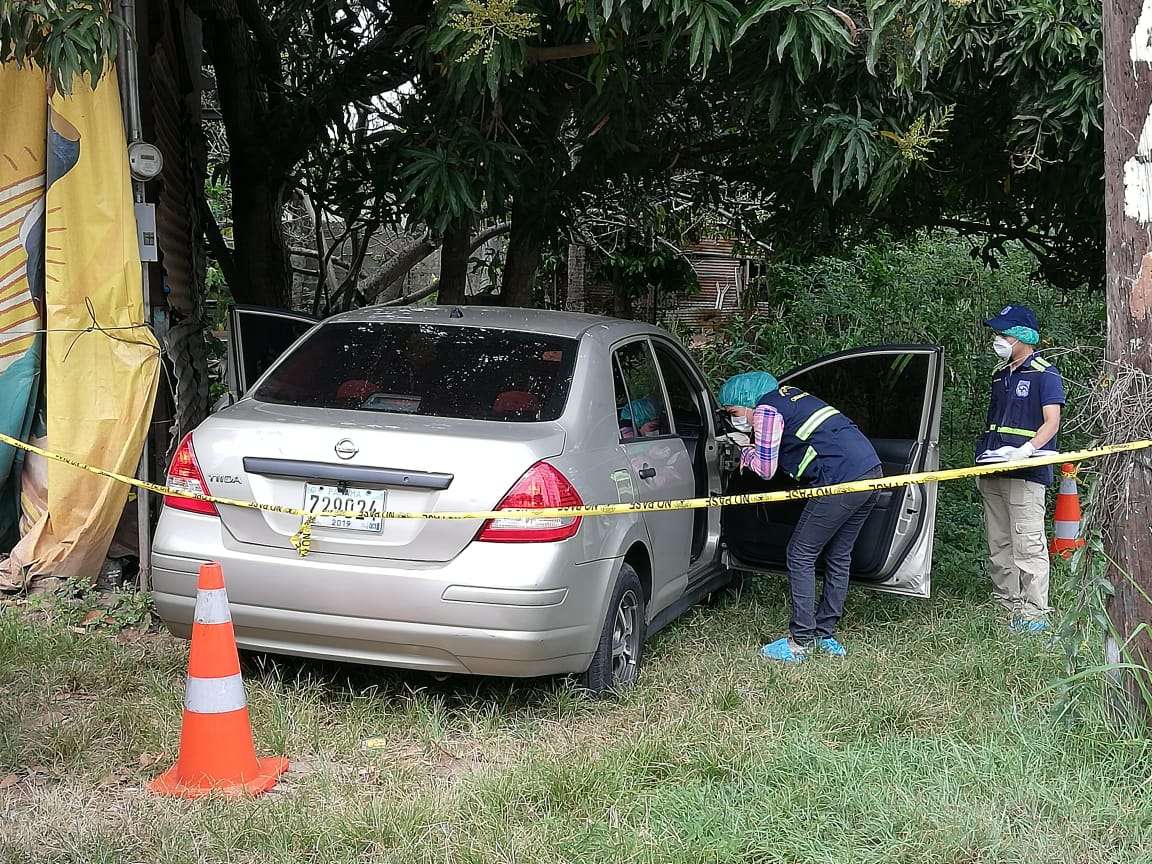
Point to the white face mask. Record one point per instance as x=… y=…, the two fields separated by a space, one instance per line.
x=740 y=424
x=1002 y=348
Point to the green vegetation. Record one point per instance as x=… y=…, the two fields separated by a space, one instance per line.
x=927 y=290
x=804 y=124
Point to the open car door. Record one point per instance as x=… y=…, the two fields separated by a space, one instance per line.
x=894 y=394
x=257 y=337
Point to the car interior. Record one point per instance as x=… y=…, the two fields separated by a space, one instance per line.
x=469 y=373
x=885 y=395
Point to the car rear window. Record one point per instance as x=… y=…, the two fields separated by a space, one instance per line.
x=476 y=373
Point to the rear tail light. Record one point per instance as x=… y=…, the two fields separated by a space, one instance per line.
x=543 y=486
x=185 y=474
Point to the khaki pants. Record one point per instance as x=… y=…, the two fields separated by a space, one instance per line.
x=1017 y=549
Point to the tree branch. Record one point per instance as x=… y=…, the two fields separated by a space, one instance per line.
x=1024 y=235
x=552 y=53
x=375 y=288
x=404 y=260
x=305 y=252
x=489 y=234
x=377 y=67
x=216 y=242
x=404 y=300
x=326 y=283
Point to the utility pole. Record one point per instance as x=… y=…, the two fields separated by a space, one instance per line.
x=129 y=78
x=1128 y=192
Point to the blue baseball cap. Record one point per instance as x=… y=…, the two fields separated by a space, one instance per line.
x=1013 y=316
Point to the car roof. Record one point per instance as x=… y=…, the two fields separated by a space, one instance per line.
x=573 y=325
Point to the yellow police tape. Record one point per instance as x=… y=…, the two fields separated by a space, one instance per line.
x=302 y=540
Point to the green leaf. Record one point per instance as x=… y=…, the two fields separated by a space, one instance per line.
x=786 y=39
x=817 y=47
x=699 y=27
x=714 y=27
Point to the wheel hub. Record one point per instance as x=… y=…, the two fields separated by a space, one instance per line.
x=626 y=639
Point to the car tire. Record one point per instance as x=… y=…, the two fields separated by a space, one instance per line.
x=616 y=664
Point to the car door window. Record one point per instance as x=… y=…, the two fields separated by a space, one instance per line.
x=644 y=409
x=623 y=418
x=882 y=393
x=683 y=394
x=259 y=337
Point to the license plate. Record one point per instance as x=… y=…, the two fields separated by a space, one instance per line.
x=368 y=504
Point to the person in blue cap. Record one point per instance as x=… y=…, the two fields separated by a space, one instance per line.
x=1023 y=418
x=812 y=442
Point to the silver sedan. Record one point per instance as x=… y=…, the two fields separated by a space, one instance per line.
x=475 y=409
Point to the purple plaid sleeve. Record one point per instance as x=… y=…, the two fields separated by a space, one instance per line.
x=763 y=453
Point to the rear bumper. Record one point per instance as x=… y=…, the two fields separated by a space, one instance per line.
x=496 y=609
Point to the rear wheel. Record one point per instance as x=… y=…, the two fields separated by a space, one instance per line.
x=616 y=664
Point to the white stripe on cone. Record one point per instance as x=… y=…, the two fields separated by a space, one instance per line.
x=1067 y=486
x=1067 y=530
x=214 y=695
x=212 y=606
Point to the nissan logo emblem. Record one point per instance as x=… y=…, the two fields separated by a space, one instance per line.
x=345 y=449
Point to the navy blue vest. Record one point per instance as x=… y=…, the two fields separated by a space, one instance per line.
x=820 y=446
x=1016 y=411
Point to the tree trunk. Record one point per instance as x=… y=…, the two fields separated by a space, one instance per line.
x=455 y=253
x=263 y=273
x=522 y=259
x=261 y=256
x=1128 y=190
x=621 y=303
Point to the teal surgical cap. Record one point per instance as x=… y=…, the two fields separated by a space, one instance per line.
x=639 y=411
x=746 y=388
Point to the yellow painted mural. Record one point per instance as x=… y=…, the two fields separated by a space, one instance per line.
x=81 y=281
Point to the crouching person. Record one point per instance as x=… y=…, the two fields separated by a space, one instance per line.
x=816 y=445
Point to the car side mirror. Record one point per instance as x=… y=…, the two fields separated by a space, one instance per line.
x=228 y=398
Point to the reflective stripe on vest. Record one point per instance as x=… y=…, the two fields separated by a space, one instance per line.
x=1012 y=430
x=805 y=432
x=814 y=422
x=809 y=455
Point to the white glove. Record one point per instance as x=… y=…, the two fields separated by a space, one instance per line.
x=1013 y=454
x=737 y=438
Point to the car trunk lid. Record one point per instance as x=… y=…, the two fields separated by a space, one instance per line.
x=292 y=456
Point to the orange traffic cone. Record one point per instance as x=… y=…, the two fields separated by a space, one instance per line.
x=216 y=750
x=1066 y=537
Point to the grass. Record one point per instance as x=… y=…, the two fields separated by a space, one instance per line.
x=932 y=742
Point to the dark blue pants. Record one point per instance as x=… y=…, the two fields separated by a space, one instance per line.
x=829 y=525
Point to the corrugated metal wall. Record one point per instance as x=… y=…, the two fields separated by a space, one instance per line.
x=723 y=279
